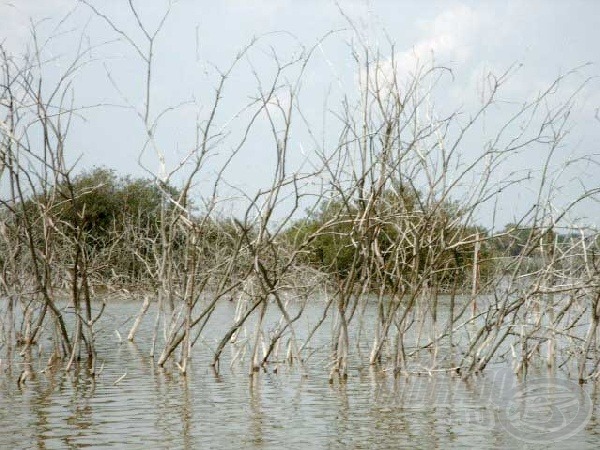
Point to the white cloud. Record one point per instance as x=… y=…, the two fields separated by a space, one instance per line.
x=449 y=38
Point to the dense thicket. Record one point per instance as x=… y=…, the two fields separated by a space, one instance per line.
x=400 y=214
x=393 y=224
x=120 y=220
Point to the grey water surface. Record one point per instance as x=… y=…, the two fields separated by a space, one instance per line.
x=152 y=407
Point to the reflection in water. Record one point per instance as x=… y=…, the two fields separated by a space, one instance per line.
x=156 y=407
x=340 y=433
x=257 y=418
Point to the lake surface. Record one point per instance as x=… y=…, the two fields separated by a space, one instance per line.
x=153 y=407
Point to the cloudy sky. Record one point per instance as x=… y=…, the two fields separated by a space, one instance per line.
x=545 y=39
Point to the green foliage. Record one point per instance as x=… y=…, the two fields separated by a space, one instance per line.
x=116 y=217
x=398 y=236
x=101 y=202
x=329 y=237
x=394 y=237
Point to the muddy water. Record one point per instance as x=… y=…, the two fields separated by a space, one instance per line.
x=152 y=407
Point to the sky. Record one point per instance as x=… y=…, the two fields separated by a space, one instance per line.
x=541 y=40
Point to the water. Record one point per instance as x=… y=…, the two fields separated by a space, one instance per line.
x=293 y=408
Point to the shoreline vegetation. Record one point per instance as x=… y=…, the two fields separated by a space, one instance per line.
x=387 y=213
